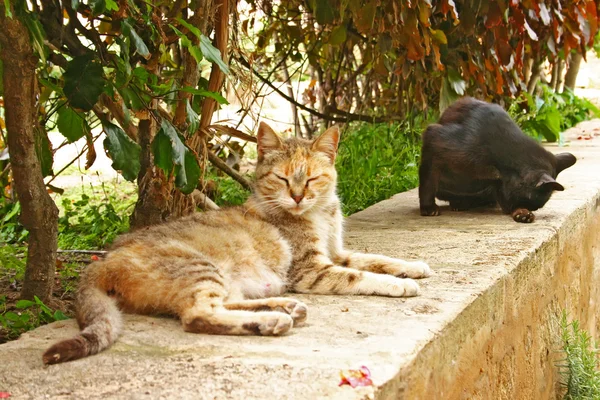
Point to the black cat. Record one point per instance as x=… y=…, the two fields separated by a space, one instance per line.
x=476 y=155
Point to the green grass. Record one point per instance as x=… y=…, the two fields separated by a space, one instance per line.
x=91 y=218
x=579 y=369
x=376 y=161
x=25 y=316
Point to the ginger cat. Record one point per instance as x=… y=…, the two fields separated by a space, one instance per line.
x=222 y=272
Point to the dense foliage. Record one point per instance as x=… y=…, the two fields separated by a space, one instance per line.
x=396 y=57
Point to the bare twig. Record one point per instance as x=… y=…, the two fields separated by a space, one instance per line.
x=349 y=117
x=97 y=252
x=220 y=164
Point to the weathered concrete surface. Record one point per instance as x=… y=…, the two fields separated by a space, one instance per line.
x=484 y=327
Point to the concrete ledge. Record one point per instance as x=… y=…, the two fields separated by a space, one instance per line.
x=484 y=328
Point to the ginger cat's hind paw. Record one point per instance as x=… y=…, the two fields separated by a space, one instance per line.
x=271 y=324
x=297 y=310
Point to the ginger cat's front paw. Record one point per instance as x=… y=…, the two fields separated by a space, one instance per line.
x=410 y=269
x=396 y=287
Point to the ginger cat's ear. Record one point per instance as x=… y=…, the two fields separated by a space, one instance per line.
x=328 y=142
x=266 y=140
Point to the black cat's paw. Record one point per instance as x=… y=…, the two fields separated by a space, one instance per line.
x=429 y=211
x=523 y=215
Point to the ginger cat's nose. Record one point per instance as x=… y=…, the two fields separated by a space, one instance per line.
x=297 y=198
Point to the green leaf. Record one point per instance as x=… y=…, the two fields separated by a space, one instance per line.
x=338 y=35
x=111 y=5
x=84 y=82
x=195 y=31
x=163 y=152
x=212 y=54
x=43 y=149
x=456 y=82
x=59 y=316
x=447 y=95
x=439 y=36
x=7 y=11
x=140 y=46
x=37 y=34
x=187 y=178
x=11 y=316
x=98 y=6
x=323 y=12
x=194 y=50
x=187 y=170
x=22 y=304
x=124 y=152
x=206 y=93
x=192 y=118
x=71 y=124
x=74 y=4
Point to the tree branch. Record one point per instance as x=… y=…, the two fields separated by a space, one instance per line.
x=349 y=117
x=220 y=164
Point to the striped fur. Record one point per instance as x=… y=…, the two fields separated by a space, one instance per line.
x=223 y=272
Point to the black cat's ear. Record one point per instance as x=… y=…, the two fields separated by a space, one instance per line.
x=564 y=161
x=549 y=182
x=328 y=142
x=266 y=140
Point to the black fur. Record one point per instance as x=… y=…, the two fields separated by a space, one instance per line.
x=476 y=155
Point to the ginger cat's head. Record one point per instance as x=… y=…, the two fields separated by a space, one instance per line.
x=295 y=175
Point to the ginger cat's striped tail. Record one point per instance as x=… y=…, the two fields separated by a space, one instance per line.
x=100 y=321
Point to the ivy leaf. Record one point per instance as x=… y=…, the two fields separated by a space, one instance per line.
x=212 y=54
x=124 y=152
x=43 y=149
x=206 y=93
x=71 y=124
x=187 y=170
x=140 y=46
x=84 y=82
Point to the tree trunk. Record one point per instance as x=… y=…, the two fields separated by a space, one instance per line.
x=573 y=70
x=151 y=207
x=158 y=198
x=39 y=214
x=557 y=73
